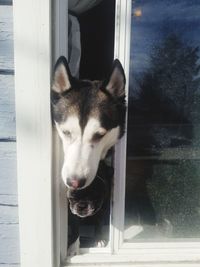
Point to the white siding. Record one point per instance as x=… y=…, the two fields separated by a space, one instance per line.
x=9 y=228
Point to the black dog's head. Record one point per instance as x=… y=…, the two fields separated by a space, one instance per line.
x=89 y=201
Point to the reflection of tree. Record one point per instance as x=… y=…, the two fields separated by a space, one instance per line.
x=172 y=79
x=175 y=67
x=167 y=103
x=164 y=115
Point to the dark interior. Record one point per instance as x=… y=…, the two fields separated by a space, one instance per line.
x=97 y=40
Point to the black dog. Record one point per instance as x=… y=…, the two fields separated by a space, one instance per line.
x=89 y=205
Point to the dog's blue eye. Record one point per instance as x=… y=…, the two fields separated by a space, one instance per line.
x=67 y=133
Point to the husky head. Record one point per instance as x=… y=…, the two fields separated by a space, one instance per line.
x=89 y=117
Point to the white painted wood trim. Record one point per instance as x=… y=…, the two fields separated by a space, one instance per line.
x=136 y=264
x=32 y=46
x=135 y=258
x=60 y=30
x=60 y=47
x=122 y=52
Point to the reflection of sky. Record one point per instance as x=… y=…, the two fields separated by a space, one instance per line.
x=158 y=19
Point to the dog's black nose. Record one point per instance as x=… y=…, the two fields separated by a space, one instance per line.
x=76 y=183
x=82 y=205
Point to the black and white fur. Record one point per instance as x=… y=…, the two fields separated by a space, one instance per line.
x=90 y=205
x=89 y=117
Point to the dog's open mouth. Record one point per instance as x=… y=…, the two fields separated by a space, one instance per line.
x=83 y=213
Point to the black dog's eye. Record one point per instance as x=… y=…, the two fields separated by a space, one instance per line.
x=67 y=133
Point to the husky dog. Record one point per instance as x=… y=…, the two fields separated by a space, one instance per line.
x=89 y=117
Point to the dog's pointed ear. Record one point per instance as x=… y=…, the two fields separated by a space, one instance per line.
x=61 y=76
x=116 y=83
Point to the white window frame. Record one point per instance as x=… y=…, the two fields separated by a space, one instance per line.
x=42 y=198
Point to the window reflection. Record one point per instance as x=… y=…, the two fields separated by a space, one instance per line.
x=163 y=135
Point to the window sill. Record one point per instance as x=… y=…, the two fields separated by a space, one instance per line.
x=100 y=259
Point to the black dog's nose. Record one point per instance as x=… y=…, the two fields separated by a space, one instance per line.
x=76 y=183
x=82 y=205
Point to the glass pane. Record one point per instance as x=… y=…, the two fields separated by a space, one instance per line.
x=163 y=149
